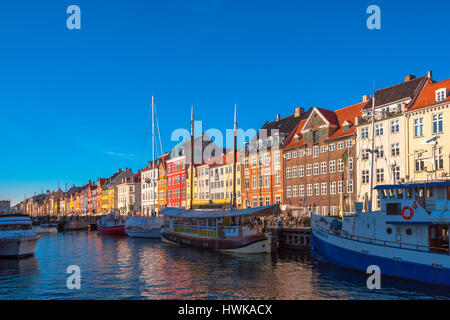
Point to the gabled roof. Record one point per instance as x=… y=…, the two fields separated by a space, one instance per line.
x=408 y=89
x=336 y=118
x=427 y=97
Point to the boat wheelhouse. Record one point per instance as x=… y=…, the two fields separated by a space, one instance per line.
x=112 y=224
x=238 y=231
x=407 y=238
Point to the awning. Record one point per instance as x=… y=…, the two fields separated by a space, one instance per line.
x=413 y=185
x=206 y=214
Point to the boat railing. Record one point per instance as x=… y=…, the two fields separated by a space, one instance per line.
x=386 y=243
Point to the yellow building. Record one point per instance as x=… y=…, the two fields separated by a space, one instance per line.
x=107 y=199
x=162 y=182
x=428 y=150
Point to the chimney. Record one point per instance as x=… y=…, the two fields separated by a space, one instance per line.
x=409 y=77
x=299 y=112
x=119 y=170
x=366 y=97
x=357 y=120
x=278 y=117
x=430 y=74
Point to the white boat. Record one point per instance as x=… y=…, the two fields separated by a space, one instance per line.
x=144 y=227
x=17 y=238
x=46 y=228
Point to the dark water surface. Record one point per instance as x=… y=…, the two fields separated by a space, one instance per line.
x=127 y=268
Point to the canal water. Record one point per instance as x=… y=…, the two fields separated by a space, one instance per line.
x=127 y=268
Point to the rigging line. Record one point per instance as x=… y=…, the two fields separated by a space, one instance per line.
x=145 y=136
x=159 y=134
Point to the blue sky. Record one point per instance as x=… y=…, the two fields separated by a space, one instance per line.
x=75 y=103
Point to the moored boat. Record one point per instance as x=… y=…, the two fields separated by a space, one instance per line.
x=111 y=224
x=46 y=228
x=144 y=227
x=407 y=238
x=17 y=238
x=235 y=230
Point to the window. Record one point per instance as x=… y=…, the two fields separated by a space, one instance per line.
x=340 y=164
x=300 y=153
x=331 y=147
x=323 y=149
x=288 y=192
x=260 y=181
x=277 y=157
x=395 y=126
x=365 y=176
x=441 y=95
x=340 y=187
x=277 y=179
x=294 y=191
x=396 y=172
x=288 y=173
x=316 y=189
x=439 y=159
x=301 y=171
x=294 y=172
x=379 y=152
x=365 y=154
x=379 y=130
x=316 y=169
x=418 y=127
x=316 y=137
x=323 y=168
x=308 y=151
x=309 y=190
x=324 y=210
x=288 y=156
x=308 y=169
x=437 y=123
x=333 y=210
x=267 y=159
x=315 y=151
x=340 y=145
x=255 y=202
x=277 y=198
x=395 y=149
x=266 y=180
x=349 y=143
x=380 y=175
x=350 y=163
x=365 y=133
x=324 y=187
x=294 y=154
x=253 y=182
x=333 y=187
x=301 y=190
x=267 y=201
x=332 y=166
x=254 y=162
x=349 y=186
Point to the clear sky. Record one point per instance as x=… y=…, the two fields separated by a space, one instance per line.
x=75 y=103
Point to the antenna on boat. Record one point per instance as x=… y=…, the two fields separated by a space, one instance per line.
x=153 y=154
x=234 y=158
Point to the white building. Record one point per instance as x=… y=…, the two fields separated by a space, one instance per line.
x=129 y=194
x=389 y=139
x=149 y=189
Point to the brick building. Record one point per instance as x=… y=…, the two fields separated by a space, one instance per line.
x=314 y=160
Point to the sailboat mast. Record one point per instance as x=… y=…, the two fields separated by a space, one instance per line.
x=234 y=157
x=191 y=180
x=153 y=155
x=372 y=151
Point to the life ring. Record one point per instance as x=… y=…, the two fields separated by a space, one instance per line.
x=410 y=214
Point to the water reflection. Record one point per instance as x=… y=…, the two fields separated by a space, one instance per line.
x=125 y=268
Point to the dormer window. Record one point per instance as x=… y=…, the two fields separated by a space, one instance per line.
x=346 y=125
x=441 y=95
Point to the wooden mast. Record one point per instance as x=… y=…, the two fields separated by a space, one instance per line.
x=191 y=180
x=234 y=158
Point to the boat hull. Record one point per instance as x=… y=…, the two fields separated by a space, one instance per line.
x=18 y=247
x=113 y=230
x=152 y=233
x=252 y=244
x=324 y=248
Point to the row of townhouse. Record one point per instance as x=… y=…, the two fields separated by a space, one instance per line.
x=315 y=160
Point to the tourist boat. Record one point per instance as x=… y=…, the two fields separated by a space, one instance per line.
x=144 y=227
x=17 y=238
x=231 y=230
x=407 y=238
x=235 y=230
x=111 y=224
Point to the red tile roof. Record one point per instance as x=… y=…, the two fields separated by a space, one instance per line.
x=427 y=97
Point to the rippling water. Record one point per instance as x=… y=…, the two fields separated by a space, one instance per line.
x=127 y=268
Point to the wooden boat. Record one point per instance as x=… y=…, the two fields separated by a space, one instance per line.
x=232 y=230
